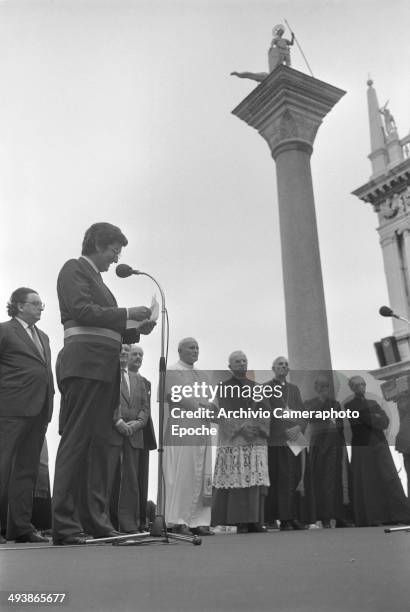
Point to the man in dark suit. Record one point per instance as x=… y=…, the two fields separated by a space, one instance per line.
x=126 y=442
x=135 y=358
x=26 y=405
x=89 y=376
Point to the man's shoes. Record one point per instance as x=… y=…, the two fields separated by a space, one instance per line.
x=291 y=525
x=33 y=537
x=202 y=531
x=297 y=525
x=286 y=526
x=242 y=528
x=182 y=530
x=343 y=523
x=112 y=534
x=70 y=541
x=2 y=540
x=257 y=528
x=326 y=524
x=272 y=526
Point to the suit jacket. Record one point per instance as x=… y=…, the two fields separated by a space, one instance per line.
x=86 y=300
x=26 y=379
x=148 y=432
x=137 y=408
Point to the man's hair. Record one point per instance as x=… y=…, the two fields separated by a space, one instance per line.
x=17 y=297
x=184 y=341
x=102 y=235
x=234 y=354
x=354 y=379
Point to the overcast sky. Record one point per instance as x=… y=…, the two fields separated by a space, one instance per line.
x=120 y=111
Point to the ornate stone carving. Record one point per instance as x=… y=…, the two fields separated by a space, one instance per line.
x=406 y=199
x=288 y=127
x=391 y=207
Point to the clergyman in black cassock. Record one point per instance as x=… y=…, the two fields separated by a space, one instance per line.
x=329 y=460
x=377 y=492
x=290 y=497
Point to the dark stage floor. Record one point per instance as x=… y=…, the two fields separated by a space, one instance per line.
x=336 y=570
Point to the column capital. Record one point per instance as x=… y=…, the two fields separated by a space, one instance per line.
x=287 y=108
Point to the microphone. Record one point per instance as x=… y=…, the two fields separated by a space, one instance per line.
x=124 y=270
x=385 y=311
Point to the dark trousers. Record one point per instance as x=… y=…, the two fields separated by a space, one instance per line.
x=406 y=459
x=289 y=498
x=21 y=439
x=80 y=494
x=123 y=484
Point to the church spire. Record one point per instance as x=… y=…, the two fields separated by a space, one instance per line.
x=378 y=154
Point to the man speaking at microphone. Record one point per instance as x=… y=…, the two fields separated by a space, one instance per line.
x=94 y=328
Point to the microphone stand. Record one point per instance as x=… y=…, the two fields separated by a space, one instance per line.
x=159 y=527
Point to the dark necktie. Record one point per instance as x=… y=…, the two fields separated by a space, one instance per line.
x=36 y=341
x=124 y=384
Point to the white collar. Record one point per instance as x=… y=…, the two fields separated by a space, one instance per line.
x=92 y=264
x=22 y=323
x=185 y=366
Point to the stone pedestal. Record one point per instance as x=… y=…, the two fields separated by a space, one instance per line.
x=287 y=109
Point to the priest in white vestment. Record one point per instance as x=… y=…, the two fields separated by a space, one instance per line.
x=188 y=467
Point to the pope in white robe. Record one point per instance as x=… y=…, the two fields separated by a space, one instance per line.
x=187 y=467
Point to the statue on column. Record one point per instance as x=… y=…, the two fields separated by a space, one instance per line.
x=279 y=53
x=389 y=121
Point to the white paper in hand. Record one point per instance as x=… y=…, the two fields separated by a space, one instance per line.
x=154 y=315
x=154 y=309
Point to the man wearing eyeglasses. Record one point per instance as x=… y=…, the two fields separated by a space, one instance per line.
x=26 y=404
x=94 y=328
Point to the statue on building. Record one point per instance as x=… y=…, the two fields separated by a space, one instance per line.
x=389 y=122
x=279 y=53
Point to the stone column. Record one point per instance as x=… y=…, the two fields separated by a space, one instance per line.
x=287 y=109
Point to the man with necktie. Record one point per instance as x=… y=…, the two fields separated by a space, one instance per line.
x=135 y=358
x=126 y=445
x=94 y=327
x=26 y=404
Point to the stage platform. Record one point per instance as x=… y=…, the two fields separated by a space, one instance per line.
x=332 y=570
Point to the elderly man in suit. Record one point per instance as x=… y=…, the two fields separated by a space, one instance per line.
x=89 y=373
x=135 y=358
x=26 y=404
x=126 y=444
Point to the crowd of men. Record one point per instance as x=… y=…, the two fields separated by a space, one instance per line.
x=269 y=471
x=88 y=375
x=286 y=472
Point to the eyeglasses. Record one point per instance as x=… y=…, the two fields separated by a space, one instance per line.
x=36 y=303
x=116 y=252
